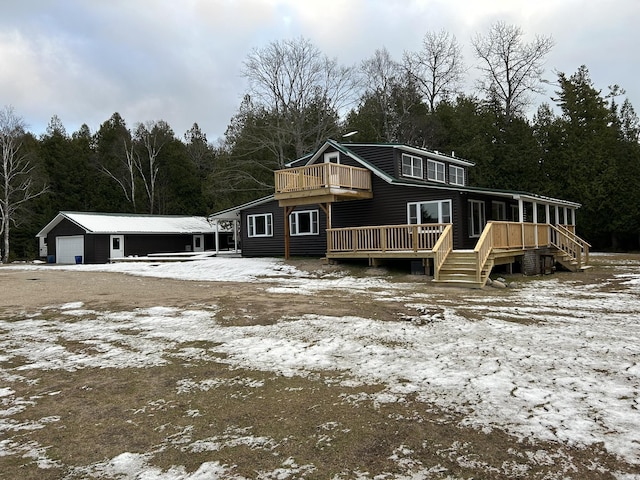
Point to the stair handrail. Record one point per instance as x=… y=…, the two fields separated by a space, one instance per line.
x=569 y=243
x=585 y=246
x=441 y=249
x=483 y=249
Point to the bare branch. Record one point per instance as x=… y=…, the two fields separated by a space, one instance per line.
x=511 y=68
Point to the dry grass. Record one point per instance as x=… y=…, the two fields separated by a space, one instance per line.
x=190 y=412
x=258 y=421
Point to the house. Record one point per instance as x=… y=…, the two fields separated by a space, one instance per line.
x=100 y=237
x=392 y=201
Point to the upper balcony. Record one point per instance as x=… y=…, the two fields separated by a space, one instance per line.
x=320 y=183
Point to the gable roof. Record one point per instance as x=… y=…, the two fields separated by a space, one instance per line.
x=129 y=223
x=233 y=213
x=346 y=150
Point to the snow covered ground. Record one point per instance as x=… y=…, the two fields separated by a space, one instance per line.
x=549 y=359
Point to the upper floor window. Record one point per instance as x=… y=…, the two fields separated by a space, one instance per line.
x=412 y=166
x=435 y=171
x=456 y=175
x=260 y=225
x=304 y=222
x=332 y=157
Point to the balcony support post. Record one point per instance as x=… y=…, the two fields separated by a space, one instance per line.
x=287 y=235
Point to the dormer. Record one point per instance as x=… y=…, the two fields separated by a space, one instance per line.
x=433 y=166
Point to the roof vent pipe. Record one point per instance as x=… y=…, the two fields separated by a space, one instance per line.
x=453 y=154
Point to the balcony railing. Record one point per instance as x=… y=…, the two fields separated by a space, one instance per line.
x=322 y=176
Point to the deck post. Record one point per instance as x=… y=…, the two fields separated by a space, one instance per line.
x=535 y=223
x=287 y=212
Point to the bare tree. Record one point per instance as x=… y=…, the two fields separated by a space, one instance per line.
x=511 y=67
x=152 y=136
x=438 y=68
x=17 y=184
x=382 y=75
x=125 y=177
x=303 y=90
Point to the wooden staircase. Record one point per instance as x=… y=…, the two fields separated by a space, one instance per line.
x=471 y=268
x=569 y=262
x=460 y=269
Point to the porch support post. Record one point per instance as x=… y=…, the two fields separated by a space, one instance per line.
x=326 y=207
x=287 y=238
x=521 y=219
x=573 y=216
x=557 y=215
x=236 y=229
x=535 y=223
x=547 y=217
x=217 y=234
x=520 y=211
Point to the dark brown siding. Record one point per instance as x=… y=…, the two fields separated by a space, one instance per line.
x=382 y=158
x=146 y=244
x=389 y=207
x=64 y=228
x=306 y=245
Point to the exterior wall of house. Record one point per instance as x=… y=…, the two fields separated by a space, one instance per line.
x=305 y=245
x=389 y=205
x=146 y=244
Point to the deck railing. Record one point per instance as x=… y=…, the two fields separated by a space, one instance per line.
x=483 y=249
x=566 y=240
x=437 y=240
x=442 y=248
x=322 y=175
x=385 y=238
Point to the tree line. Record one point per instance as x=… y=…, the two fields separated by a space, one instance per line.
x=582 y=145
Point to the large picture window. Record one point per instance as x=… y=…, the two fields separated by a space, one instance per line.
x=260 y=225
x=435 y=171
x=412 y=166
x=438 y=211
x=304 y=223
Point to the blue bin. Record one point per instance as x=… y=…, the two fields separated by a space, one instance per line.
x=51 y=259
x=78 y=259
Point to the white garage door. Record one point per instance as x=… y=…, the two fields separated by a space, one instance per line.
x=67 y=248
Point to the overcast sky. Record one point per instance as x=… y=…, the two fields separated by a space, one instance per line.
x=180 y=60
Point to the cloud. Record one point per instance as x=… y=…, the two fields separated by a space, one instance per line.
x=181 y=61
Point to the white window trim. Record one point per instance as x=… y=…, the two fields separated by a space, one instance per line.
x=414 y=161
x=459 y=174
x=483 y=219
x=315 y=223
x=437 y=164
x=251 y=225
x=417 y=206
x=332 y=157
x=504 y=210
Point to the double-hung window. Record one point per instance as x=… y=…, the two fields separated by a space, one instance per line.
x=412 y=166
x=456 y=175
x=304 y=222
x=435 y=171
x=260 y=225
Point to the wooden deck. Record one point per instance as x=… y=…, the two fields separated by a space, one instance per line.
x=500 y=243
x=321 y=183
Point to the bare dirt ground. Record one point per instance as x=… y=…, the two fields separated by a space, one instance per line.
x=29 y=290
x=103 y=413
